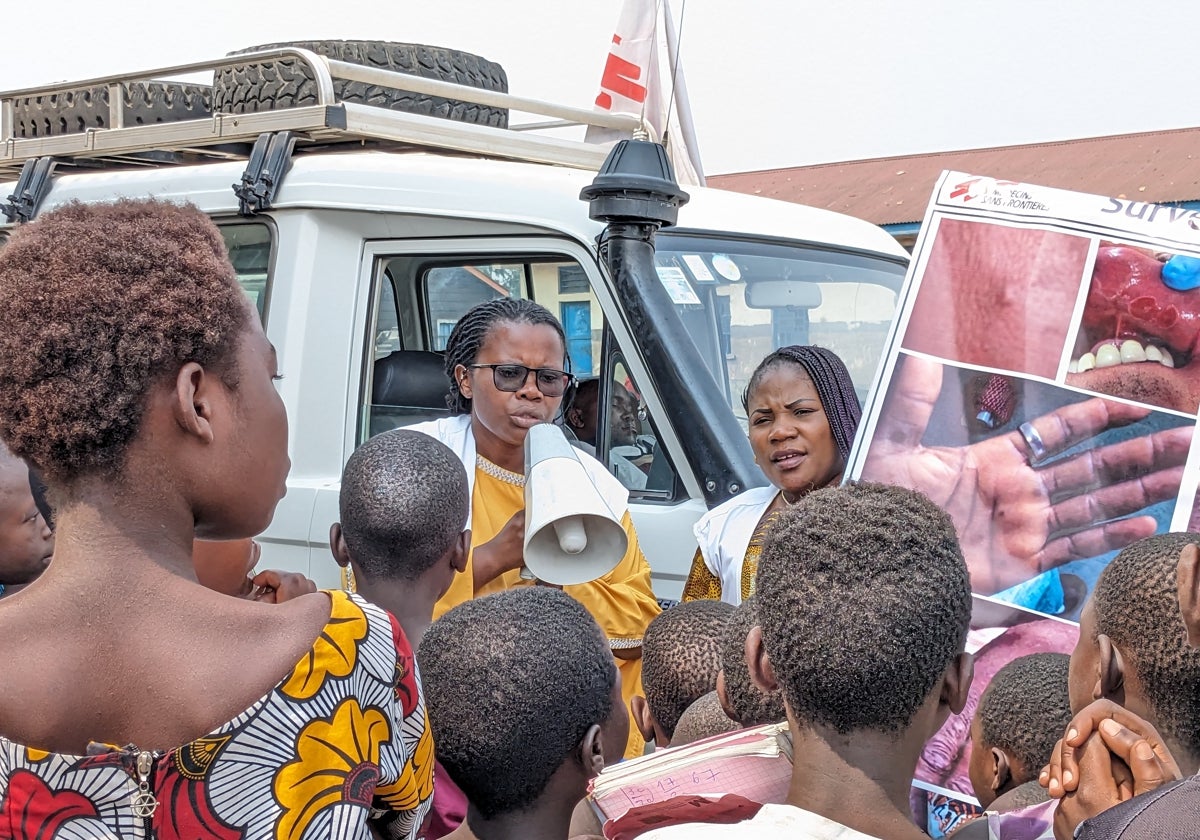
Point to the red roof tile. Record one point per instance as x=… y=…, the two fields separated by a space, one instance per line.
x=1157 y=166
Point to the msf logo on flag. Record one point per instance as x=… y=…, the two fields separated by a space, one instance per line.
x=621 y=77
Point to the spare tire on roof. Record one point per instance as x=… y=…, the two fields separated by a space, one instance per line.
x=288 y=82
x=75 y=111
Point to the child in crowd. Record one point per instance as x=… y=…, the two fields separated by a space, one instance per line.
x=403 y=507
x=525 y=704
x=863 y=607
x=1139 y=658
x=26 y=541
x=1021 y=715
x=1133 y=648
x=681 y=657
x=703 y=719
x=743 y=701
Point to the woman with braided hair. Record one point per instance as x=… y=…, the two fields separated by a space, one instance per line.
x=802 y=413
x=505 y=360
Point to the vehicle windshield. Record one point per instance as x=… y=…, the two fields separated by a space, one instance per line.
x=742 y=299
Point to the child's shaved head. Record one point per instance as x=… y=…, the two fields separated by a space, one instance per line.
x=681 y=657
x=864 y=601
x=748 y=704
x=703 y=719
x=513 y=682
x=1135 y=604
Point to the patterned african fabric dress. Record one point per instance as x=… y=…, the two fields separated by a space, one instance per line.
x=729 y=542
x=341 y=740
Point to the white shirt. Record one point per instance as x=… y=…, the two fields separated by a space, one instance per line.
x=456 y=433
x=724 y=533
x=771 y=822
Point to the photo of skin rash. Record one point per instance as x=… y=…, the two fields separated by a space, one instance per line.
x=998 y=297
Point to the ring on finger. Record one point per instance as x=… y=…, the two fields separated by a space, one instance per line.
x=1037 y=449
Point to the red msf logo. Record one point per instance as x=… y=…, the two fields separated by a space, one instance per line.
x=966 y=187
x=620 y=77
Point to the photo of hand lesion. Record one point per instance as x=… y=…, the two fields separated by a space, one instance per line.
x=1043 y=484
x=998 y=296
x=1140 y=328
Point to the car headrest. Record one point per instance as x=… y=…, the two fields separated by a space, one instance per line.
x=411 y=379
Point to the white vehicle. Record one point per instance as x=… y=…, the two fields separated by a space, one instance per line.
x=364 y=245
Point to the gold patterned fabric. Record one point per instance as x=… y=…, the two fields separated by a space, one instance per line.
x=703 y=585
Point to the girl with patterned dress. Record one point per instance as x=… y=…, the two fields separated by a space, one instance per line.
x=802 y=414
x=135 y=375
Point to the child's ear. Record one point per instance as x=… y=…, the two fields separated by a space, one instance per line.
x=1001 y=771
x=460 y=551
x=723 y=699
x=1187 y=579
x=762 y=672
x=591 y=751
x=956 y=682
x=337 y=544
x=1110 y=684
x=643 y=719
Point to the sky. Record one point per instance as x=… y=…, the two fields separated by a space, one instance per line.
x=772 y=84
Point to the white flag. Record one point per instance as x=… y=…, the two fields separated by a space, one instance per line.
x=637 y=80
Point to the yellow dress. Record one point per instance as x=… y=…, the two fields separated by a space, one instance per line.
x=703 y=585
x=621 y=601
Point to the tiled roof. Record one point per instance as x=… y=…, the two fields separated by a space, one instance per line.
x=1157 y=166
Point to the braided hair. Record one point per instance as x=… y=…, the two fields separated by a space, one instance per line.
x=832 y=381
x=473 y=328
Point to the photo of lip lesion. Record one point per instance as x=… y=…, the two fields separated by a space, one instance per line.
x=1044 y=484
x=1140 y=329
x=998 y=296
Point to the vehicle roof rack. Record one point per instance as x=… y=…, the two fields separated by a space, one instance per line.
x=330 y=122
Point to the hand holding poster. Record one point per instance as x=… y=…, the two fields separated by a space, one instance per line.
x=1042 y=385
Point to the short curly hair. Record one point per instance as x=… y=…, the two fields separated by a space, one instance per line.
x=1136 y=604
x=1025 y=710
x=703 y=719
x=403 y=503
x=513 y=682
x=681 y=657
x=98 y=303
x=750 y=704
x=864 y=601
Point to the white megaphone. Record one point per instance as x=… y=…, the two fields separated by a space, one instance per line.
x=571 y=534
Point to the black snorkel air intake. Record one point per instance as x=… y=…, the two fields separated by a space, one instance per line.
x=634 y=194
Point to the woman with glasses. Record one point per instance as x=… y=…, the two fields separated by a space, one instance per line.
x=802 y=414
x=505 y=361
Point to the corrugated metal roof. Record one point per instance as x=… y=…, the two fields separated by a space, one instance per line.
x=1157 y=166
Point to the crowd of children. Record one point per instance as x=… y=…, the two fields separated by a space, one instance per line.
x=848 y=650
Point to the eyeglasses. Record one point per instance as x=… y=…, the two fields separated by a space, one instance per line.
x=512 y=378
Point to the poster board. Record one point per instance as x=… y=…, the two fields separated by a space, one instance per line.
x=1041 y=384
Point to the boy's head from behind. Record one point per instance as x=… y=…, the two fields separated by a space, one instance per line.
x=681 y=657
x=742 y=700
x=1133 y=644
x=1021 y=715
x=523 y=698
x=403 y=506
x=26 y=541
x=863 y=604
x=703 y=719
